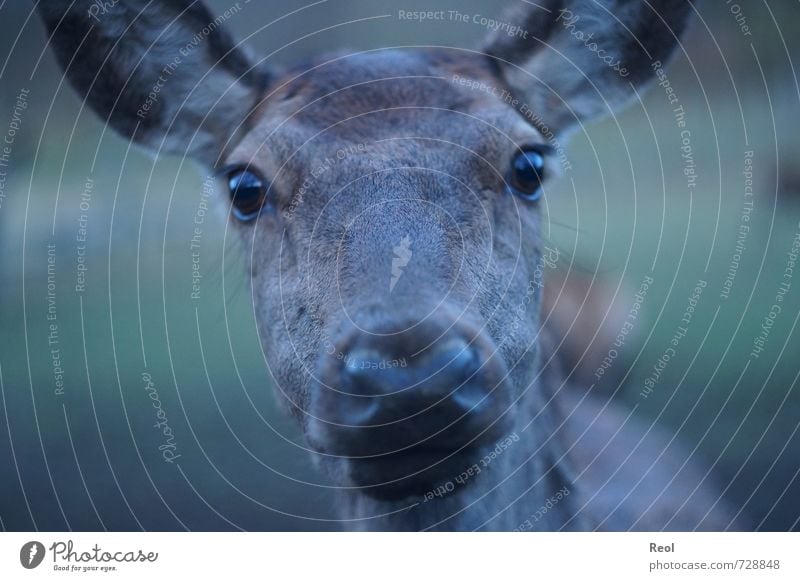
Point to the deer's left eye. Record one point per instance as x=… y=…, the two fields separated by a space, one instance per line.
x=248 y=193
x=527 y=173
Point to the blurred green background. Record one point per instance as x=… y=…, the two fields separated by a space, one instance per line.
x=88 y=459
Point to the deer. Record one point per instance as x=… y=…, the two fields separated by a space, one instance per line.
x=390 y=203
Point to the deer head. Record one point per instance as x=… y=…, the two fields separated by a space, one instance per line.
x=389 y=203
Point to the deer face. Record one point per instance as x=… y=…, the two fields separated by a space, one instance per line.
x=392 y=256
x=389 y=205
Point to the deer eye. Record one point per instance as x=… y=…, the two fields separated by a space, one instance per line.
x=248 y=192
x=527 y=173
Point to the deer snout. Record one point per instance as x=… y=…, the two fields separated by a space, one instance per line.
x=429 y=387
x=383 y=393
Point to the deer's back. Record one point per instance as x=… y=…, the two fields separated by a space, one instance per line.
x=633 y=475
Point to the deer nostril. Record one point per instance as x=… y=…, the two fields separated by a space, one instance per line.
x=358 y=410
x=455 y=357
x=462 y=367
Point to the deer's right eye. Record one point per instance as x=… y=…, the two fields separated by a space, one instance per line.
x=248 y=193
x=528 y=172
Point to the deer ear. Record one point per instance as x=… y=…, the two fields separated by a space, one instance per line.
x=164 y=74
x=575 y=60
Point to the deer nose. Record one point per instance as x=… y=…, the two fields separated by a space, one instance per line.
x=385 y=385
x=427 y=387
